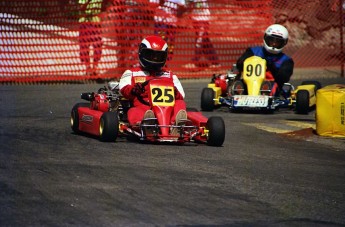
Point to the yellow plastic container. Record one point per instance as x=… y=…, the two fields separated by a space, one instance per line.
x=330 y=111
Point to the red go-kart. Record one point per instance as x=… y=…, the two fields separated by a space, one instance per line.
x=105 y=116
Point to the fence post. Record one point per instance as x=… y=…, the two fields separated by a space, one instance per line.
x=342 y=54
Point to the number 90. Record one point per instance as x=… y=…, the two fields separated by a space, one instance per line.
x=254 y=69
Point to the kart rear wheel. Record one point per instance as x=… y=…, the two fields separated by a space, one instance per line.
x=266 y=88
x=207 y=96
x=237 y=88
x=109 y=127
x=229 y=92
x=216 y=131
x=75 y=116
x=302 y=102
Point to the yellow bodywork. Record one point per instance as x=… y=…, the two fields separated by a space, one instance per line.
x=330 y=111
x=217 y=93
x=311 y=90
x=254 y=73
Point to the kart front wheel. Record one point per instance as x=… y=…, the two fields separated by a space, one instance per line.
x=109 y=127
x=75 y=116
x=216 y=131
x=207 y=96
x=302 y=102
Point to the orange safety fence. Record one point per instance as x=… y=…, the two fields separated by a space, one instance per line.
x=77 y=40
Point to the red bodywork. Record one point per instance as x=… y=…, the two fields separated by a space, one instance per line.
x=89 y=117
x=161 y=100
x=163 y=109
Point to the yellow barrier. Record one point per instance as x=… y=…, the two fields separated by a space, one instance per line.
x=330 y=111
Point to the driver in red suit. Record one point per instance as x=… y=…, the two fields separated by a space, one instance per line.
x=153 y=53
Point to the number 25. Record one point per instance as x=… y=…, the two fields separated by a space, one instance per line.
x=168 y=95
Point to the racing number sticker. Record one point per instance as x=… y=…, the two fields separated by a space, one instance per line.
x=256 y=69
x=255 y=66
x=162 y=96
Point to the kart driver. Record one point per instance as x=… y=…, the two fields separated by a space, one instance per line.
x=153 y=53
x=279 y=65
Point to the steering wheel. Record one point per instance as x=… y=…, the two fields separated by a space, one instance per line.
x=102 y=90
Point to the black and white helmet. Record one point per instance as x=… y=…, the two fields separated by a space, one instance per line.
x=275 y=38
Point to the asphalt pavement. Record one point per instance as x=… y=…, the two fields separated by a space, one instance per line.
x=272 y=170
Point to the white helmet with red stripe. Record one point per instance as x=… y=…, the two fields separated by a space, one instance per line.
x=275 y=39
x=153 y=53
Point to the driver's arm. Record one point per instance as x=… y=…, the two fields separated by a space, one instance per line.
x=240 y=61
x=283 y=74
x=179 y=89
x=125 y=85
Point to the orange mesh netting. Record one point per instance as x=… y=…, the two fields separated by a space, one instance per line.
x=52 y=40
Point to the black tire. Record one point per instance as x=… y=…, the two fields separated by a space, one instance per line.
x=216 y=131
x=75 y=116
x=302 y=102
x=317 y=84
x=109 y=127
x=207 y=96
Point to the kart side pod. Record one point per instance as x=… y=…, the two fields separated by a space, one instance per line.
x=217 y=93
x=304 y=97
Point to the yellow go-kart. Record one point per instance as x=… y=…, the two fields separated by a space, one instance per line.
x=252 y=91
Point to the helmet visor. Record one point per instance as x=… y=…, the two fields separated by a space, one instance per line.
x=156 y=56
x=275 y=41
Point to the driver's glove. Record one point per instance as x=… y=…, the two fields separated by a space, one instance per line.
x=137 y=89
